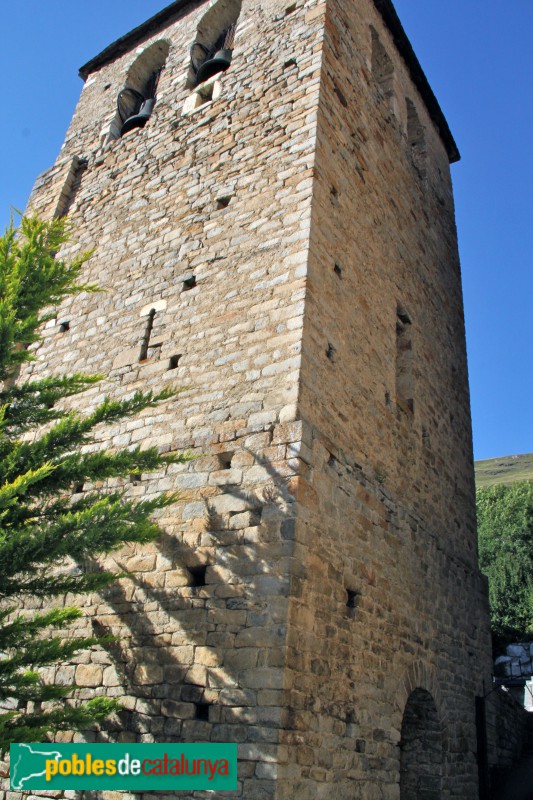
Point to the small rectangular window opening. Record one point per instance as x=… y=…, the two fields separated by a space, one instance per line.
x=189 y=283
x=135 y=477
x=205 y=94
x=198 y=575
x=202 y=711
x=64 y=326
x=174 y=361
x=337 y=269
x=224 y=460
x=223 y=202
x=290 y=9
x=78 y=488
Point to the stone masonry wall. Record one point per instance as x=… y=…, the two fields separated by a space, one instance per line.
x=507 y=723
x=391 y=234
x=377 y=610
x=388 y=597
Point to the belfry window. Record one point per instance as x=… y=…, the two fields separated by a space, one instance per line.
x=136 y=101
x=212 y=50
x=135 y=108
x=207 y=62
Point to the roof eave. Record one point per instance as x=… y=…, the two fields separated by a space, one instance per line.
x=129 y=40
x=392 y=21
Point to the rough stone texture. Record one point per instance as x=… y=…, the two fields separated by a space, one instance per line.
x=295 y=238
x=506 y=727
x=385 y=507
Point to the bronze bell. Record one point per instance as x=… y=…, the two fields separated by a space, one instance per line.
x=139 y=119
x=219 y=63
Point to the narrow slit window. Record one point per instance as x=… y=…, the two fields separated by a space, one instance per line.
x=382 y=68
x=145 y=341
x=416 y=139
x=71 y=186
x=352 y=600
x=404 y=362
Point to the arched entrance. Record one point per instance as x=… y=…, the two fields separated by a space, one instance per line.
x=420 y=749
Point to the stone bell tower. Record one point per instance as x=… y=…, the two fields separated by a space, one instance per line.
x=267 y=190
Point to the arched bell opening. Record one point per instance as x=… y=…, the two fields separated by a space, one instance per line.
x=212 y=50
x=421 y=754
x=136 y=101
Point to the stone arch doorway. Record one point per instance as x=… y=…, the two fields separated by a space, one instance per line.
x=420 y=749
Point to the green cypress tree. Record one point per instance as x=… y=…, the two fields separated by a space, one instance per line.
x=43 y=524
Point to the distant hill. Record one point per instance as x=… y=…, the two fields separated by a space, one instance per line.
x=507 y=469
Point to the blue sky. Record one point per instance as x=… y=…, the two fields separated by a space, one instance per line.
x=479 y=61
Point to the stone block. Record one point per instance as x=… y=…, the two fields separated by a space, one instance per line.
x=287 y=433
x=147 y=674
x=89 y=675
x=226 y=477
x=111 y=677
x=173 y=708
x=126 y=358
x=228 y=503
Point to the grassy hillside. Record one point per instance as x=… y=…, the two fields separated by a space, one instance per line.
x=507 y=469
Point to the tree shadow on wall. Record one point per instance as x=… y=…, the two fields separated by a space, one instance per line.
x=201 y=630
